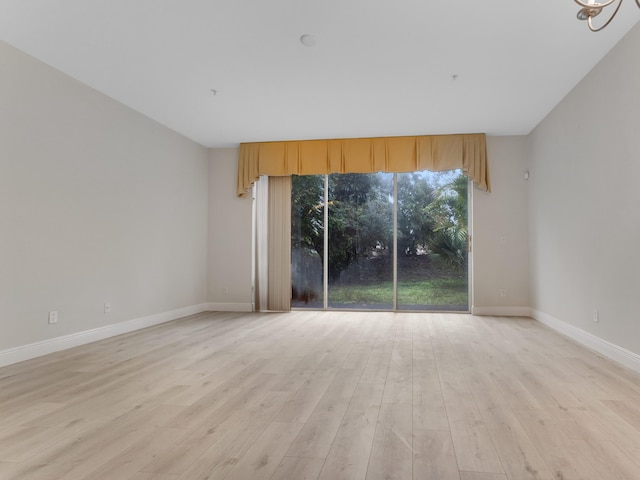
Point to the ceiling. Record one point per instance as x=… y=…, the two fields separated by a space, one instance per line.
x=378 y=68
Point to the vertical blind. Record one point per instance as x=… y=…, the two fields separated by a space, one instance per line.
x=272 y=275
x=279 y=248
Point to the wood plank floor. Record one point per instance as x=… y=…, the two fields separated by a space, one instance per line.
x=322 y=395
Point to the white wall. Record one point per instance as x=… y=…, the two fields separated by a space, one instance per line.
x=97 y=203
x=230 y=231
x=585 y=203
x=500 y=232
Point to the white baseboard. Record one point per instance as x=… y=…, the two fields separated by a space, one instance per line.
x=229 y=307
x=27 y=352
x=502 y=311
x=613 y=352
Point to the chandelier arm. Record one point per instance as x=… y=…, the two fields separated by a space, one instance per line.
x=597 y=5
x=591 y=27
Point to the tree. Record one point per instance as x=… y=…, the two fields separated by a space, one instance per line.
x=432 y=218
x=415 y=226
x=449 y=211
x=307 y=212
x=360 y=219
x=307 y=237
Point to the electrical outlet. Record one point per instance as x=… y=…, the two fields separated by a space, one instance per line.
x=53 y=317
x=503 y=292
x=226 y=290
x=596 y=315
x=107 y=307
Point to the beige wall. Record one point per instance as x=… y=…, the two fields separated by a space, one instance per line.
x=585 y=202
x=500 y=249
x=499 y=215
x=230 y=230
x=97 y=203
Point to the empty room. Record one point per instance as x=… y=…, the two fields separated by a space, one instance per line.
x=314 y=240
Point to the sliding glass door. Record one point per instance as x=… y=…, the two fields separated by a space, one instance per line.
x=307 y=241
x=360 y=241
x=380 y=241
x=432 y=241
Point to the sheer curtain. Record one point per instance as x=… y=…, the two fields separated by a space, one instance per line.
x=273 y=244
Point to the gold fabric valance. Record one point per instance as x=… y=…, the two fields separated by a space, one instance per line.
x=365 y=155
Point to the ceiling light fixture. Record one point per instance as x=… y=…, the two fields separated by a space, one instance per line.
x=591 y=9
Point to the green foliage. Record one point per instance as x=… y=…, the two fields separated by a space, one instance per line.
x=448 y=243
x=415 y=226
x=432 y=217
x=434 y=291
x=307 y=212
x=360 y=219
x=449 y=246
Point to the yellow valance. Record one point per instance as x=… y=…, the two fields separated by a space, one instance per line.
x=365 y=155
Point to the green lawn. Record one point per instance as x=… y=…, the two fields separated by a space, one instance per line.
x=434 y=291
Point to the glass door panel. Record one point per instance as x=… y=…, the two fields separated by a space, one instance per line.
x=307 y=241
x=360 y=241
x=432 y=241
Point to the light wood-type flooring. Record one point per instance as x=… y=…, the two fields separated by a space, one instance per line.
x=323 y=395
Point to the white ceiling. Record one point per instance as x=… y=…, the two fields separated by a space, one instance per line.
x=378 y=67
